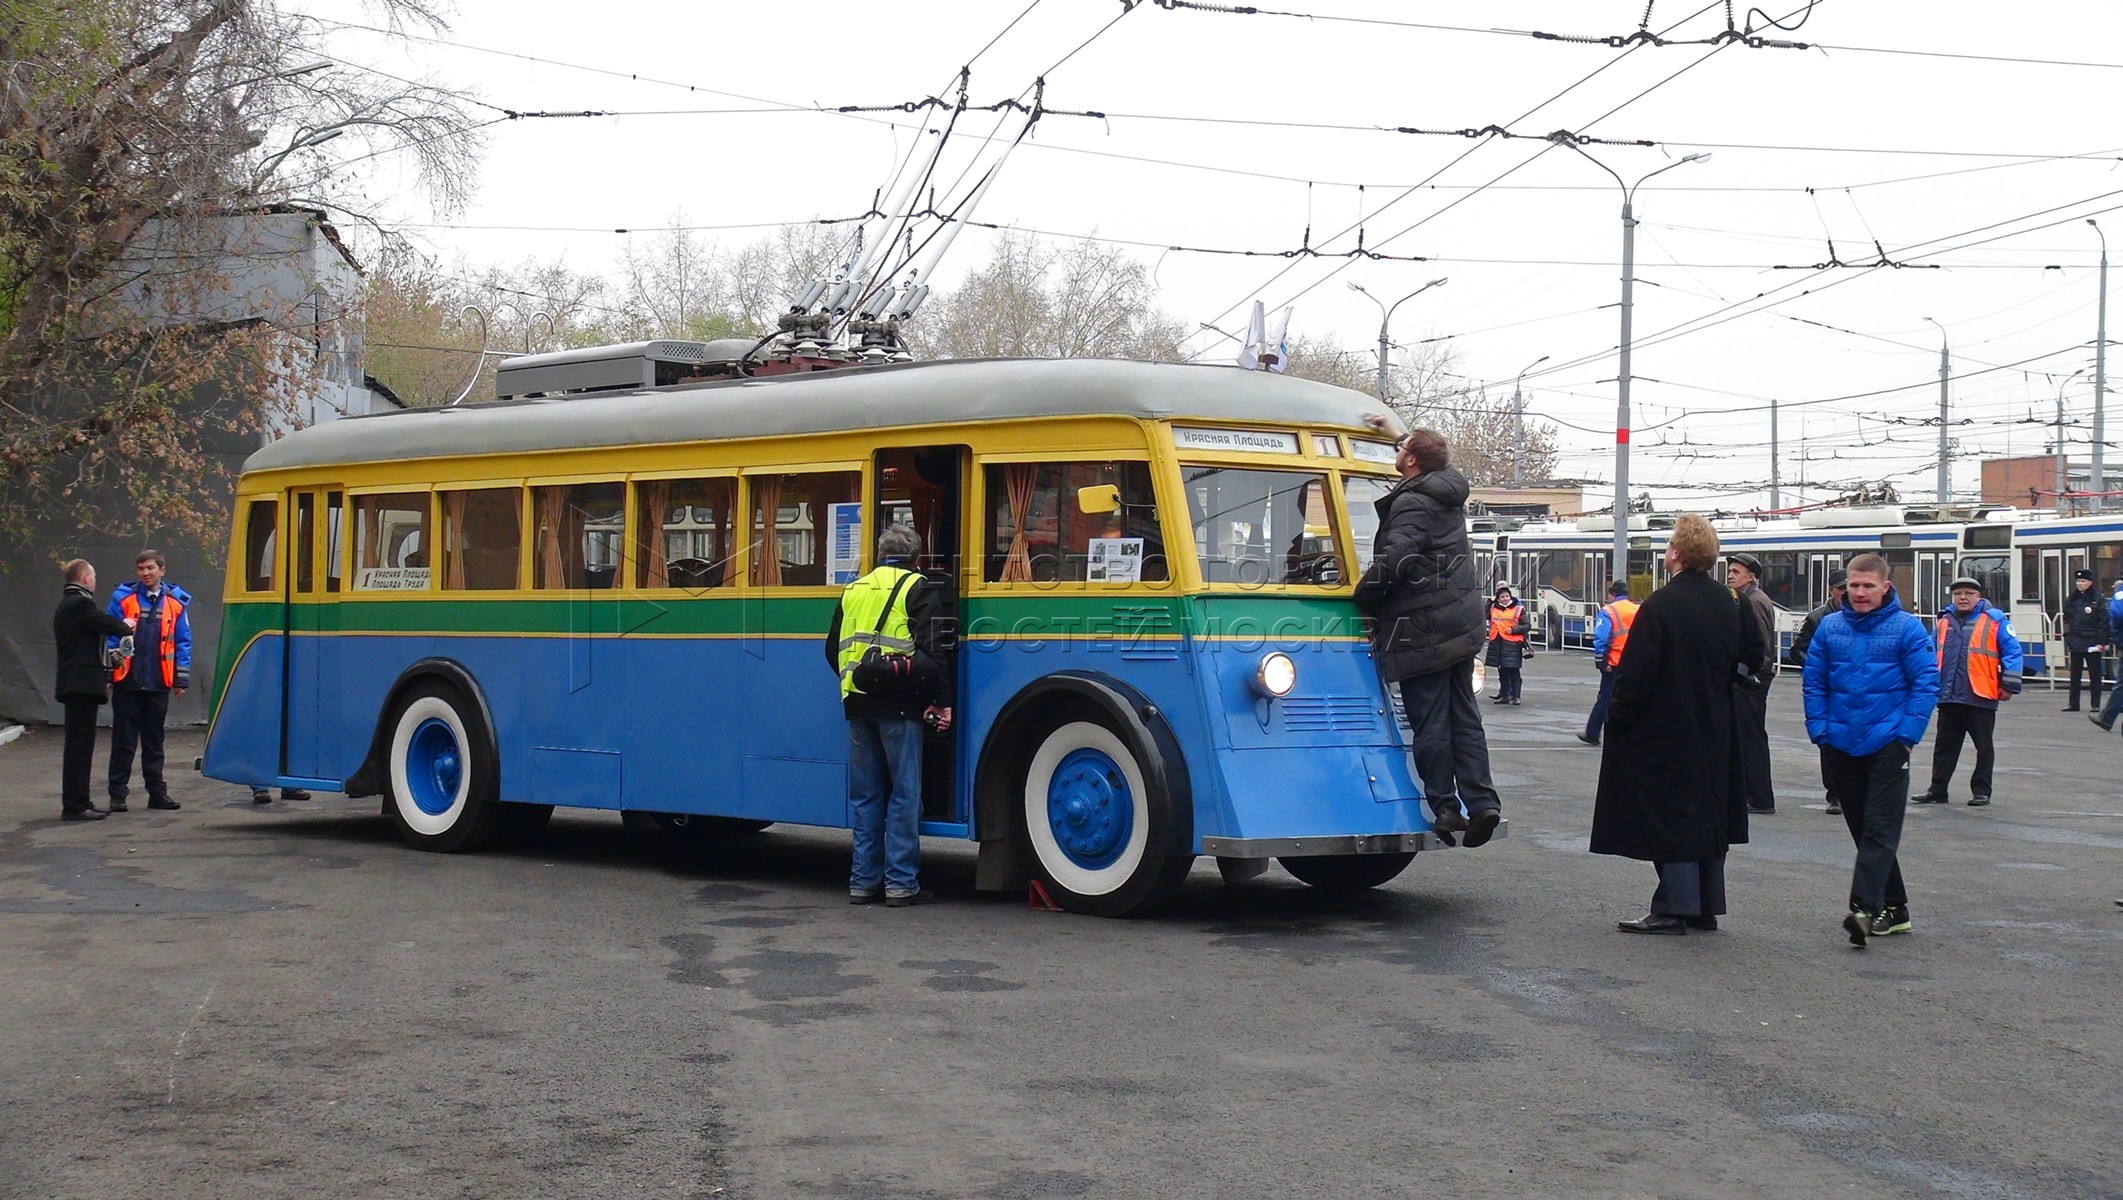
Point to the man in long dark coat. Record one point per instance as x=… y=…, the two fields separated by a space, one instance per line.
x=1669 y=773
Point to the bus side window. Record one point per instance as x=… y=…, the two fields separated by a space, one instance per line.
x=793 y=521
x=390 y=542
x=1038 y=533
x=578 y=531
x=682 y=533
x=259 y=539
x=482 y=539
x=334 y=533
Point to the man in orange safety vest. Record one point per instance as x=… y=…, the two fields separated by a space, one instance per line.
x=1610 y=633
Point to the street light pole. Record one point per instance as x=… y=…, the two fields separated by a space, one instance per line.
x=2100 y=481
x=1518 y=423
x=1945 y=375
x=2063 y=480
x=1385 y=318
x=1619 y=566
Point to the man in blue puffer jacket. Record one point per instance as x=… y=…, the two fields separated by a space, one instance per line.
x=1872 y=676
x=2106 y=718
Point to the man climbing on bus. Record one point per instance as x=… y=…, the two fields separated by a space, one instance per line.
x=1610 y=633
x=892 y=643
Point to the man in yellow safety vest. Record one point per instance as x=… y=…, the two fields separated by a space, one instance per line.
x=1610 y=633
x=893 y=630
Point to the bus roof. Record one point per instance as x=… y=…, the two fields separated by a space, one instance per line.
x=897 y=395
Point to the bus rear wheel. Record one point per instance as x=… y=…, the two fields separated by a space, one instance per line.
x=1347 y=872
x=442 y=777
x=1095 y=832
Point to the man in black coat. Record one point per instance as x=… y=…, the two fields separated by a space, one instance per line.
x=79 y=626
x=1670 y=790
x=1838 y=585
x=1744 y=572
x=2085 y=624
x=1429 y=621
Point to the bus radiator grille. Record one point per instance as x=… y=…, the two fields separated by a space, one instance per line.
x=1329 y=714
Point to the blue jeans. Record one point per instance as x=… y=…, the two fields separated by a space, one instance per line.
x=884 y=799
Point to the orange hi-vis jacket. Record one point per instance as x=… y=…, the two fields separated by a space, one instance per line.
x=1984 y=662
x=171 y=612
x=1621 y=614
x=1504 y=623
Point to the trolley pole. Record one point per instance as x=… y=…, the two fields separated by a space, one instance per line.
x=1776 y=491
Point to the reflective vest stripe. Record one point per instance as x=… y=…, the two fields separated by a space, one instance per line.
x=170 y=611
x=861 y=604
x=1621 y=614
x=1984 y=662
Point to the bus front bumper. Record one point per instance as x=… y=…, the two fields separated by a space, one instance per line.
x=1311 y=847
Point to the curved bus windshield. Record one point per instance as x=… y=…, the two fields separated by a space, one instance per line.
x=1257 y=528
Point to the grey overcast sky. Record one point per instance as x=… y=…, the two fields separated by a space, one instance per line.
x=1905 y=126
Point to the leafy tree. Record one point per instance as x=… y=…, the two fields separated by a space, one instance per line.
x=134 y=137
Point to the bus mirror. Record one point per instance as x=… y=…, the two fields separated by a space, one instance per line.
x=1098 y=498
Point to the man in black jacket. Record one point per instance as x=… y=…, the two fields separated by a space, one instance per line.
x=1838 y=585
x=79 y=626
x=1429 y=621
x=2085 y=624
x=1743 y=572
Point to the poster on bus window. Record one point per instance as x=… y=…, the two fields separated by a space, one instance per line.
x=1115 y=560
x=844 y=563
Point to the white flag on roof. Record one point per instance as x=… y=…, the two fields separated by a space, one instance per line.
x=1278 y=343
x=1249 y=355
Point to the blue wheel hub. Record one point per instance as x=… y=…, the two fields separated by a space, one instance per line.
x=434 y=766
x=1090 y=809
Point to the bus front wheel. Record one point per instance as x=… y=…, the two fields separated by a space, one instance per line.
x=442 y=777
x=1096 y=833
x=1347 y=872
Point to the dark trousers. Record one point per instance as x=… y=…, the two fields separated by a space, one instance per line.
x=1598 y=720
x=137 y=717
x=2088 y=661
x=80 y=751
x=2113 y=709
x=1510 y=683
x=1956 y=721
x=1828 y=780
x=1451 y=751
x=1750 y=715
x=1875 y=794
x=1690 y=889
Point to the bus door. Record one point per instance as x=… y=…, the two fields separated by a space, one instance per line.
x=310 y=682
x=1934 y=572
x=1818 y=569
x=923 y=486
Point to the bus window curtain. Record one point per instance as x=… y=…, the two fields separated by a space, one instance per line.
x=766 y=548
x=722 y=497
x=652 y=500
x=552 y=570
x=1017 y=480
x=453 y=540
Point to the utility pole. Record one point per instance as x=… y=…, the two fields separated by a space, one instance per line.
x=1518 y=423
x=1619 y=565
x=1385 y=318
x=2100 y=481
x=2063 y=479
x=1945 y=453
x=1776 y=491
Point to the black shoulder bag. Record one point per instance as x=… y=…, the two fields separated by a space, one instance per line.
x=888 y=674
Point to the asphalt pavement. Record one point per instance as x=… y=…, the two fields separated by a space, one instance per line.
x=284 y=1000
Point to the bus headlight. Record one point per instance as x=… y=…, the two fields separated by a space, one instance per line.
x=1275 y=676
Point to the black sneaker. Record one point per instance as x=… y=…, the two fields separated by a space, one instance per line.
x=1890 y=920
x=908 y=899
x=1978 y=801
x=1858 y=924
x=165 y=804
x=117 y=806
x=1927 y=798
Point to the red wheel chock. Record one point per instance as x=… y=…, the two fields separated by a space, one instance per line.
x=1037 y=899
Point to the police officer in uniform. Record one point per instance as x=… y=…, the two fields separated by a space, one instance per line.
x=2085 y=624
